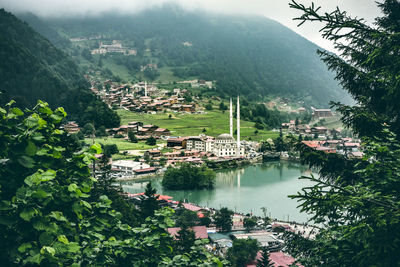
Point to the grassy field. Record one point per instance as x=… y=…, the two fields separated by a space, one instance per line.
x=121 y=144
x=116 y=69
x=333 y=122
x=166 y=75
x=215 y=122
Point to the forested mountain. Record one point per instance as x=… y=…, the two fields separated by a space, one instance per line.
x=32 y=68
x=253 y=56
x=41 y=27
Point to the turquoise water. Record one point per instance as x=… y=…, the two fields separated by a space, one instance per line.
x=246 y=190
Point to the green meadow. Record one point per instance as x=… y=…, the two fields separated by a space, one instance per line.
x=121 y=143
x=215 y=122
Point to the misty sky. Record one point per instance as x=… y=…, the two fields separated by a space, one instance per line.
x=275 y=9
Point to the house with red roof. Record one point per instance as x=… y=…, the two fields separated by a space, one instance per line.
x=279 y=259
x=199 y=231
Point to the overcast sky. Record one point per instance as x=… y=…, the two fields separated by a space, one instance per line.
x=275 y=9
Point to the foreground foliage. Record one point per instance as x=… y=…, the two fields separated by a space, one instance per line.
x=357 y=201
x=48 y=214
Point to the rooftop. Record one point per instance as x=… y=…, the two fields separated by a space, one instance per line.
x=199 y=231
x=225 y=137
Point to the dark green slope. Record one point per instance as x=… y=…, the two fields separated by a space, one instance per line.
x=43 y=29
x=32 y=68
x=254 y=56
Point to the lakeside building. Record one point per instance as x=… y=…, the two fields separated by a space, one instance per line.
x=225 y=143
x=200 y=143
x=345 y=146
x=128 y=167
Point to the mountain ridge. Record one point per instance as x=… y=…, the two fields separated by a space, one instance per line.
x=32 y=68
x=251 y=55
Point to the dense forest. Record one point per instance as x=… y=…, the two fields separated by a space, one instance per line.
x=32 y=68
x=253 y=56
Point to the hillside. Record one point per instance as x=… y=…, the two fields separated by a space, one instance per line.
x=253 y=56
x=32 y=68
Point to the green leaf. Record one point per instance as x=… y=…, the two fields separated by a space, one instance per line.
x=58 y=215
x=5 y=205
x=73 y=247
x=37 y=136
x=40 y=193
x=48 y=175
x=17 y=111
x=32 y=179
x=24 y=247
x=56 y=118
x=72 y=187
x=30 y=149
x=46 y=239
x=47 y=249
x=36 y=258
x=26 y=161
x=97 y=148
x=45 y=110
x=42 y=152
x=40 y=176
x=86 y=204
x=10 y=103
x=27 y=214
x=63 y=239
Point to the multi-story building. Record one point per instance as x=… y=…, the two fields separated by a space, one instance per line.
x=200 y=143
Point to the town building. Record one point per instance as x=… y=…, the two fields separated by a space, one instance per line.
x=177 y=142
x=200 y=143
x=225 y=144
x=128 y=167
x=321 y=113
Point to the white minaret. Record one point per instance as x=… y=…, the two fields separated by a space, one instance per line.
x=231 y=117
x=238 y=127
x=145 y=89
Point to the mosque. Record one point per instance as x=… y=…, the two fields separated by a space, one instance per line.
x=225 y=144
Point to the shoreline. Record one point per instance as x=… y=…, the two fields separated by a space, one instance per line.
x=143 y=179
x=239 y=164
x=218 y=168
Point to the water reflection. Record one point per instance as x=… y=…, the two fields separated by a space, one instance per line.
x=246 y=190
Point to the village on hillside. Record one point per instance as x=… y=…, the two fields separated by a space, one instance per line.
x=224 y=149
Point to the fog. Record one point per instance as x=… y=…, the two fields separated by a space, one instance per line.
x=275 y=9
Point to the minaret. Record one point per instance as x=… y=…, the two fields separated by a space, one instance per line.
x=145 y=89
x=238 y=127
x=231 y=117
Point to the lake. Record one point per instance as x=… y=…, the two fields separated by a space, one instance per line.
x=246 y=190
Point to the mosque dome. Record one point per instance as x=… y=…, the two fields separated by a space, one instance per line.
x=225 y=137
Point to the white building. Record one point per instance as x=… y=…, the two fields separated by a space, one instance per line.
x=225 y=144
x=128 y=166
x=200 y=143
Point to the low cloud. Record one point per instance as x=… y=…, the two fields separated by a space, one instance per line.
x=277 y=10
